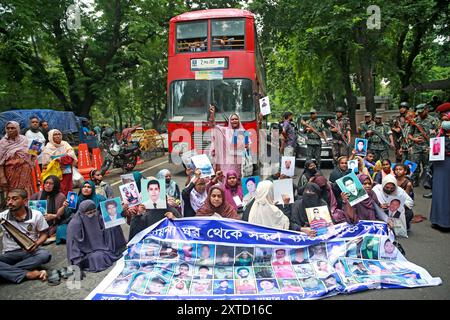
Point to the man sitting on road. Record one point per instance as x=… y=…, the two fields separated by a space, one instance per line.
x=17 y=264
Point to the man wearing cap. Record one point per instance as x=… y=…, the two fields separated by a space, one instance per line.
x=400 y=134
x=340 y=131
x=420 y=131
x=314 y=129
x=364 y=125
x=380 y=138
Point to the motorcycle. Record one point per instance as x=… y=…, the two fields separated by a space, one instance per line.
x=119 y=154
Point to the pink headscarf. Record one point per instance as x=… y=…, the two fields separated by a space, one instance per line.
x=222 y=142
x=11 y=147
x=230 y=191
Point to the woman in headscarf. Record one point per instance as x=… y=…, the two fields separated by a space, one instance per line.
x=309 y=172
x=16 y=164
x=232 y=189
x=101 y=187
x=194 y=195
x=58 y=149
x=172 y=190
x=228 y=143
x=56 y=203
x=386 y=168
x=263 y=210
x=326 y=192
x=310 y=199
x=86 y=243
x=338 y=172
x=364 y=210
x=216 y=204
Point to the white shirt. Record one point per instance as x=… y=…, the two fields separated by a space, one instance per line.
x=36 y=136
x=34 y=224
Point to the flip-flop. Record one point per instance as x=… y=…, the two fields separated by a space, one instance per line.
x=54 y=279
x=418 y=218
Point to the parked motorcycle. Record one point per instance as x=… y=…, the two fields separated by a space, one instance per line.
x=119 y=154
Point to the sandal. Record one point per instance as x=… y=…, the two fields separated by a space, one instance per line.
x=54 y=278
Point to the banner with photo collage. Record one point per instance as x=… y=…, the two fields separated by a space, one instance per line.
x=198 y=258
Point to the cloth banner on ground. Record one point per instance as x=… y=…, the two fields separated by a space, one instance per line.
x=199 y=258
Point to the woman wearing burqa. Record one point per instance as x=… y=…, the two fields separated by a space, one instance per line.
x=309 y=172
x=216 y=204
x=86 y=242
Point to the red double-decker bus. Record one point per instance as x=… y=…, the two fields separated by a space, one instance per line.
x=214 y=56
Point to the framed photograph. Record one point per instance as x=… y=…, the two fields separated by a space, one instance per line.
x=130 y=194
x=154 y=193
x=361 y=147
x=319 y=219
x=288 y=166
x=39 y=205
x=411 y=165
x=72 y=198
x=351 y=185
x=111 y=210
x=282 y=189
x=264 y=106
x=202 y=162
x=127 y=178
x=35 y=148
x=353 y=165
x=437 y=149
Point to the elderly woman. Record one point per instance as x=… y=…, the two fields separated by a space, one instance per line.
x=60 y=150
x=194 y=195
x=16 y=164
x=56 y=204
x=216 y=204
x=172 y=190
x=263 y=211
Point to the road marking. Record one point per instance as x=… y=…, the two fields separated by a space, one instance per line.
x=156 y=165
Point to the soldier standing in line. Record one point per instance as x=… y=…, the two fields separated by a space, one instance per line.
x=364 y=125
x=314 y=129
x=399 y=133
x=380 y=138
x=421 y=129
x=341 y=133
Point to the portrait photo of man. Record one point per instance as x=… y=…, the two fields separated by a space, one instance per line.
x=154 y=194
x=353 y=188
x=361 y=147
x=111 y=210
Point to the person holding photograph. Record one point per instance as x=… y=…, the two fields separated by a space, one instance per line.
x=102 y=188
x=194 y=194
x=86 y=243
x=352 y=190
x=63 y=152
x=35 y=134
x=309 y=172
x=340 y=171
x=56 y=204
x=216 y=204
x=112 y=211
x=263 y=210
x=232 y=188
x=172 y=190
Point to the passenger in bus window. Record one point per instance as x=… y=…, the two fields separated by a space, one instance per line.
x=224 y=43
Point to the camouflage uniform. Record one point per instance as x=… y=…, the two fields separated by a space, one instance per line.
x=400 y=139
x=364 y=127
x=339 y=146
x=313 y=142
x=420 y=151
x=376 y=144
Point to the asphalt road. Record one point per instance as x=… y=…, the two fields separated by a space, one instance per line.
x=425 y=247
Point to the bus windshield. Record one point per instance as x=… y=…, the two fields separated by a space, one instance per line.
x=189 y=99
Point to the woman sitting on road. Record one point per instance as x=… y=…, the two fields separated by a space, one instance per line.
x=386 y=169
x=216 y=204
x=56 y=204
x=195 y=194
x=172 y=190
x=232 y=189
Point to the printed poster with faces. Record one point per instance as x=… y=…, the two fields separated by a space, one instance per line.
x=437 y=149
x=130 y=194
x=283 y=189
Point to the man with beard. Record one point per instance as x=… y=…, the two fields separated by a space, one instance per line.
x=399 y=133
x=43 y=126
x=389 y=190
x=17 y=264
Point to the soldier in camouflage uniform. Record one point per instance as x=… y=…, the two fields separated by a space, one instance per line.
x=380 y=138
x=313 y=141
x=364 y=125
x=341 y=133
x=400 y=135
x=420 y=131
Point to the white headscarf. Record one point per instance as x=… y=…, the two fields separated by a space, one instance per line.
x=197 y=199
x=54 y=149
x=264 y=212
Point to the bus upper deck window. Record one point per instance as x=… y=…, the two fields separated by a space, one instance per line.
x=192 y=36
x=228 y=34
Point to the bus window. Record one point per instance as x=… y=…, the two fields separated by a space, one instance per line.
x=233 y=95
x=192 y=36
x=189 y=97
x=227 y=34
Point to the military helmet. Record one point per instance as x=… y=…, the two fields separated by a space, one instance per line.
x=421 y=107
x=404 y=104
x=340 y=109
